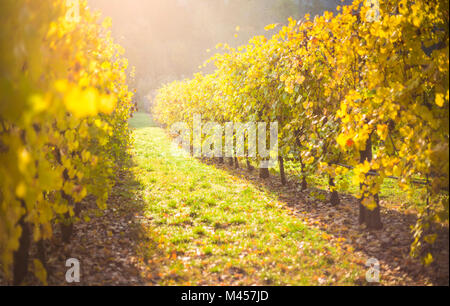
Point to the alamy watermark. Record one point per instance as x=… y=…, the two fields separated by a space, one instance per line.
x=73 y=273
x=373 y=13
x=211 y=139
x=73 y=11
x=373 y=271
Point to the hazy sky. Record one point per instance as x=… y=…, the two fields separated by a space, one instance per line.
x=167 y=39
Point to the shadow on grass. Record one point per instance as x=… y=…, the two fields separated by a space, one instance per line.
x=390 y=246
x=112 y=245
x=130 y=207
x=107 y=243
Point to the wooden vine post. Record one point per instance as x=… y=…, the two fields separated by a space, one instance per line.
x=370 y=217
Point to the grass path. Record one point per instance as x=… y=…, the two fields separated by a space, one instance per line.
x=204 y=226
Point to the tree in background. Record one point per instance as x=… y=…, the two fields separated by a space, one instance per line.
x=167 y=39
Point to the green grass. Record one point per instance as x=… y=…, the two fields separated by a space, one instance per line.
x=213 y=228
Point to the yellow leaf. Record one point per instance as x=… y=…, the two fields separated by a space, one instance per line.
x=40 y=271
x=369 y=203
x=396 y=170
x=428 y=259
x=107 y=23
x=82 y=104
x=430 y=238
x=39 y=103
x=440 y=99
x=21 y=190
x=382 y=131
x=270 y=26
x=107 y=104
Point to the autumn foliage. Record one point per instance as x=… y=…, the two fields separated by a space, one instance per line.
x=366 y=89
x=63 y=122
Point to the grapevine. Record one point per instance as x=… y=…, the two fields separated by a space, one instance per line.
x=63 y=122
x=368 y=93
